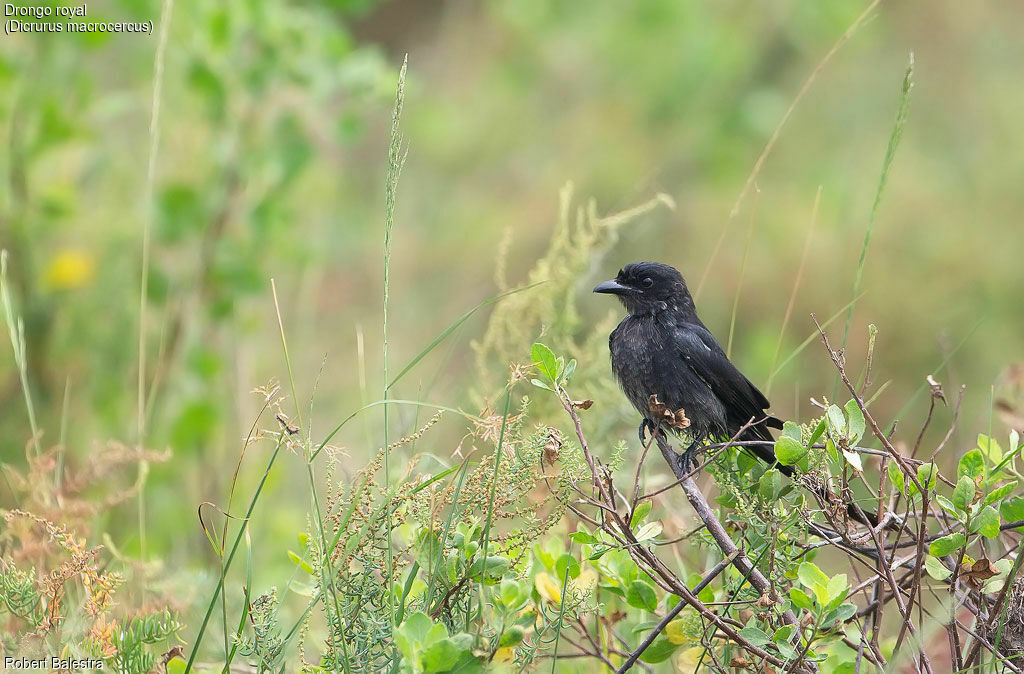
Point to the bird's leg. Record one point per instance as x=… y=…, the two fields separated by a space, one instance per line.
x=646 y=426
x=688 y=459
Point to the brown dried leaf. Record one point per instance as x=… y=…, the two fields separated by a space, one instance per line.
x=554 y=444
x=674 y=419
x=983 y=569
x=936 y=388
x=175 y=652
x=740 y=663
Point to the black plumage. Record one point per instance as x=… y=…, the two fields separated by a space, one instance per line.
x=661 y=351
x=661 y=348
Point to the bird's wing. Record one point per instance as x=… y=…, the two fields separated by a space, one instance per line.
x=700 y=350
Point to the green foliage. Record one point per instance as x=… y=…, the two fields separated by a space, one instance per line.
x=264 y=646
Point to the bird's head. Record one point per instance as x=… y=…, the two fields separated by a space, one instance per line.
x=647 y=287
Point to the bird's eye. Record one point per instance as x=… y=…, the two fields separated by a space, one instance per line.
x=647 y=282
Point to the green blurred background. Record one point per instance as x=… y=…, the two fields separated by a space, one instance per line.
x=274 y=120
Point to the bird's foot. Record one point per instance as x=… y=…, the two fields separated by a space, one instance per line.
x=687 y=461
x=646 y=426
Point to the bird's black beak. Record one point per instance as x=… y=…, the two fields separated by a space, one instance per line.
x=613 y=287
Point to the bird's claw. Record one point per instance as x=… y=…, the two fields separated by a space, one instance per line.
x=646 y=426
x=687 y=461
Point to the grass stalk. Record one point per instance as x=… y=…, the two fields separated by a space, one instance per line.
x=494 y=486
x=890 y=153
x=759 y=164
x=16 y=330
x=149 y=207
x=325 y=567
x=231 y=555
x=396 y=159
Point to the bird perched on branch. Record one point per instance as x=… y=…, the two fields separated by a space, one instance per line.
x=672 y=368
x=676 y=374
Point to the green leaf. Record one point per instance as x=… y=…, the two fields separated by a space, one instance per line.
x=837 y=587
x=583 y=537
x=855 y=419
x=545 y=360
x=512 y=636
x=935 y=568
x=963 y=494
x=1012 y=509
x=771 y=484
x=492 y=571
x=1000 y=493
x=511 y=594
x=927 y=475
x=783 y=634
x=810 y=575
x=972 y=464
x=641 y=595
x=441 y=656
x=836 y=422
x=789 y=451
x=800 y=598
x=649 y=531
x=640 y=513
x=568 y=370
x=755 y=635
x=415 y=629
x=539 y=384
x=792 y=430
x=990 y=447
x=816 y=434
x=986 y=522
x=300 y=562
x=896 y=476
x=659 y=651
x=838 y=616
x=567 y=562
x=948 y=506
x=947 y=545
x=787 y=650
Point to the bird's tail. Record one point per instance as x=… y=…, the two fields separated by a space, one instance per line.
x=766 y=454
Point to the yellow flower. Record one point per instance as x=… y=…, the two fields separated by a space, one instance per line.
x=69 y=269
x=505 y=655
x=548 y=588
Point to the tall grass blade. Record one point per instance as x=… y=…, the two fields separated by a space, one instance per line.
x=811 y=337
x=454 y=326
x=396 y=159
x=770 y=145
x=16 y=330
x=231 y=555
x=890 y=152
x=326 y=569
x=147 y=226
